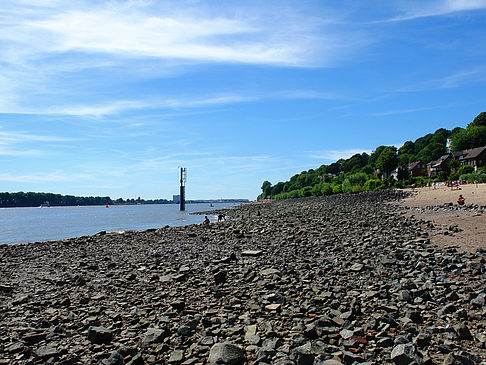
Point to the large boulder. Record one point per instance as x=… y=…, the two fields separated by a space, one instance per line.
x=227 y=354
x=99 y=335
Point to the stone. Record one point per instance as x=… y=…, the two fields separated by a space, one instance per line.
x=99 y=335
x=176 y=357
x=356 y=267
x=253 y=253
x=15 y=347
x=227 y=354
x=115 y=359
x=270 y=271
x=46 y=352
x=273 y=307
x=463 y=332
x=403 y=354
x=153 y=336
x=456 y=359
x=220 y=277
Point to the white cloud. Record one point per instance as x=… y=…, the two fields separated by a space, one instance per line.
x=173 y=33
x=120 y=106
x=55 y=176
x=19 y=137
x=334 y=155
x=8 y=141
x=17 y=153
x=455 y=79
x=423 y=9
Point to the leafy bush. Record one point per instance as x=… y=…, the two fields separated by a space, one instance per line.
x=305 y=191
x=354 y=183
x=293 y=194
x=466 y=169
x=317 y=190
x=337 y=189
x=481 y=170
x=371 y=184
x=380 y=187
x=443 y=175
x=470 y=178
x=454 y=176
x=326 y=189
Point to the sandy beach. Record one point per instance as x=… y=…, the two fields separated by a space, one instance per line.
x=451 y=227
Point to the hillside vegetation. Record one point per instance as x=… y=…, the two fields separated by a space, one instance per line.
x=363 y=172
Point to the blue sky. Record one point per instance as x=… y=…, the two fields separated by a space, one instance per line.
x=112 y=97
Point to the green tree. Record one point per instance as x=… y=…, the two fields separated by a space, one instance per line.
x=368 y=169
x=471 y=137
x=277 y=188
x=266 y=188
x=375 y=154
x=387 y=160
x=405 y=159
x=453 y=164
x=408 y=148
x=466 y=169
x=480 y=120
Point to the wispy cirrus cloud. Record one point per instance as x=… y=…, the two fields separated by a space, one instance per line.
x=120 y=106
x=11 y=142
x=334 y=155
x=187 y=32
x=423 y=9
x=54 y=176
x=19 y=137
x=453 y=80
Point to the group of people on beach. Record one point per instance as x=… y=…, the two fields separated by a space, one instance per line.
x=221 y=217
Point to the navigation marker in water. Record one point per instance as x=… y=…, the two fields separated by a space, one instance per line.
x=183 y=188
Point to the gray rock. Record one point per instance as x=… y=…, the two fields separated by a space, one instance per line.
x=479 y=301
x=356 y=267
x=115 y=359
x=251 y=253
x=153 y=336
x=403 y=354
x=176 y=357
x=457 y=359
x=46 y=352
x=463 y=332
x=227 y=354
x=99 y=335
x=220 y=277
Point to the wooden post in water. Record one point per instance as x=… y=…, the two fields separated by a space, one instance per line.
x=183 y=189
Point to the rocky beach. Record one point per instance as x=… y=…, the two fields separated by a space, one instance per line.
x=344 y=279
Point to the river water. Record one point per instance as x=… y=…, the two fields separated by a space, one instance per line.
x=23 y=225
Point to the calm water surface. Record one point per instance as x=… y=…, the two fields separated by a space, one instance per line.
x=22 y=225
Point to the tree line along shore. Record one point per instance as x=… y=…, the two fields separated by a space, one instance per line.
x=445 y=155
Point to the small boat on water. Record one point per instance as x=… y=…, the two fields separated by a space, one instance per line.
x=45 y=204
x=211 y=205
